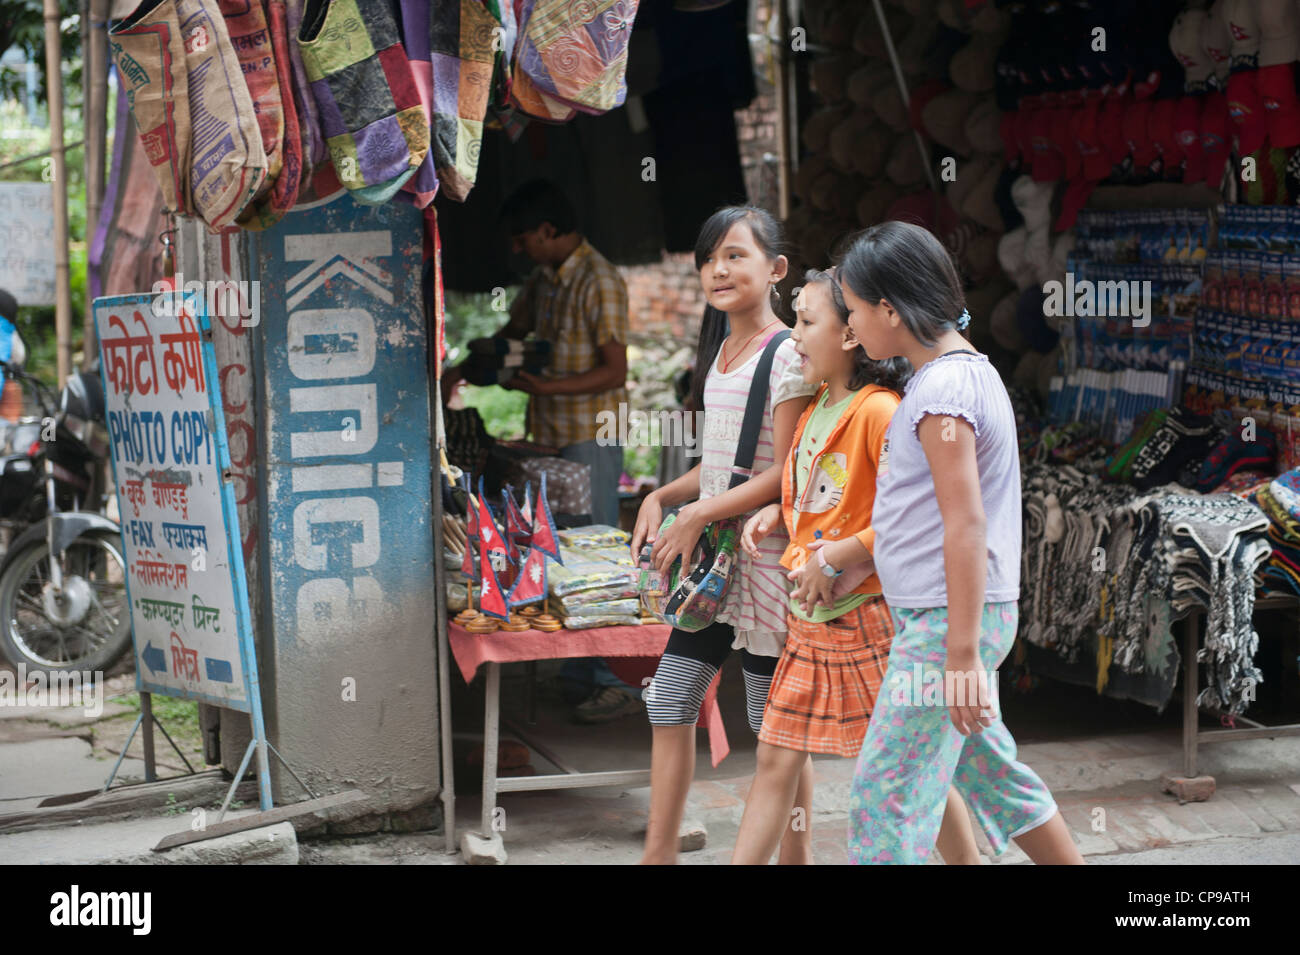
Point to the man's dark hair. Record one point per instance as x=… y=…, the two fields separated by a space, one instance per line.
x=8 y=305
x=535 y=202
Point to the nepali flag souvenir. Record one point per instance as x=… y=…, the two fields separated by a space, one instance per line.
x=517 y=525
x=544 y=538
x=530 y=585
x=491 y=600
x=499 y=544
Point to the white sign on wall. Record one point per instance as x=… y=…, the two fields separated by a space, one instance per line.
x=189 y=603
x=27 y=241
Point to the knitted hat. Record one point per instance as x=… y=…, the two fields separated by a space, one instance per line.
x=1034 y=200
x=888 y=105
x=968 y=173
x=912 y=50
x=1138 y=134
x=848 y=138
x=1038 y=254
x=980 y=204
x=868 y=38
x=1011 y=256
x=944 y=119
x=1243 y=25
x=1246 y=107
x=1110 y=130
x=1087 y=139
x=983 y=127
x=918 y=208
x=864 y=82
x=1046 y=163
x=919 y=98
x=904 y=164
x=1162 y=133
x=1063 y=140
x=1187 y=130
x=1277 y=93
x=1215 y=130
x=1279 y=32
x=870 y=149
x=1185 y=42
x=973 y=67
x=1216 y=41
x=1232 y=454
x=1002 y=323
x=873 y=203
x=816 y=134
x=1011 y=217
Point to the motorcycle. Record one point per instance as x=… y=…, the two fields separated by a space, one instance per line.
x=63 y=603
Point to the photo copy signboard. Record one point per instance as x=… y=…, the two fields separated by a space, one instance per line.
x=185 y=580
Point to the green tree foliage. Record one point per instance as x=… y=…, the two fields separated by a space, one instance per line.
x=22 y=25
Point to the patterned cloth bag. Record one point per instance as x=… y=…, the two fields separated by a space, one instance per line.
x=369 y=106
x=264 y=59
x=464 y=38
x=690 y=603
x=571 y=55
x=174 y=50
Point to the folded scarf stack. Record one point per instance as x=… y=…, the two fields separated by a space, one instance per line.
x=1279 y=499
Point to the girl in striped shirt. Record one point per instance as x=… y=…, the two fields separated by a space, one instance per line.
x=739 y=260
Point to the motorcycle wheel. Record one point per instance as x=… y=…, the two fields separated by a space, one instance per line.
x=95 y=635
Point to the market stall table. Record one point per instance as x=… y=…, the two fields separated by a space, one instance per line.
x=472 y=650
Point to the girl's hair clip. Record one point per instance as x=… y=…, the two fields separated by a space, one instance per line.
x=963 y=319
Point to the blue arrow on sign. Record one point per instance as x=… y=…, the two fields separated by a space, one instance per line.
x=154 y=658
x=219 y=671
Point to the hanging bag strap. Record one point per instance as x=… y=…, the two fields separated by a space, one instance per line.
x=754 y=408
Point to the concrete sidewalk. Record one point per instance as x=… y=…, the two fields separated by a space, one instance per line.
x=1102 y=759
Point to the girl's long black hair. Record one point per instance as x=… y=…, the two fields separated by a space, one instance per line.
x=891 y=373
x=908 y=267
x=714 y=328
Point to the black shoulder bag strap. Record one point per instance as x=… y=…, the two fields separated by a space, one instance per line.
x=745 y=451
x=754 y=408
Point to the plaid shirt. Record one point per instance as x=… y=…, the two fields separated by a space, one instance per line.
x=577 y=308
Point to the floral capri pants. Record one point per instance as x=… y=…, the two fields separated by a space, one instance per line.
x=912 y=753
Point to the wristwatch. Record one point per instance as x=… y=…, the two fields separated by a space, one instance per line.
x=827 y=569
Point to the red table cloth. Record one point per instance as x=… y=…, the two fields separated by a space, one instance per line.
x=472 y=650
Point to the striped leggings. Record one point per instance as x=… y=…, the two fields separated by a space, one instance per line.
x=689 y=664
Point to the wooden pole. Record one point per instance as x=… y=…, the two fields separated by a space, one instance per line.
x=96 y=107
x=784 y=104
x=62 y=288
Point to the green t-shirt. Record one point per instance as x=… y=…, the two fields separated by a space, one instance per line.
x=820 y=424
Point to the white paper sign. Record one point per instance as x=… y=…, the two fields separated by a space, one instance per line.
x=189 y=608
x=27 y=241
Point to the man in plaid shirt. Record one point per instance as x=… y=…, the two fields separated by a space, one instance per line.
x=576 y=300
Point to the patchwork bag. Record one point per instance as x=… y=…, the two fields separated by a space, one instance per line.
x=370 y=110
x=571 y=55
x=692 y=602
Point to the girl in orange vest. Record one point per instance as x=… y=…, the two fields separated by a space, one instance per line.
x=840 y=630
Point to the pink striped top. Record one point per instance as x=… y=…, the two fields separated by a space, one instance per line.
x=758 y=597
